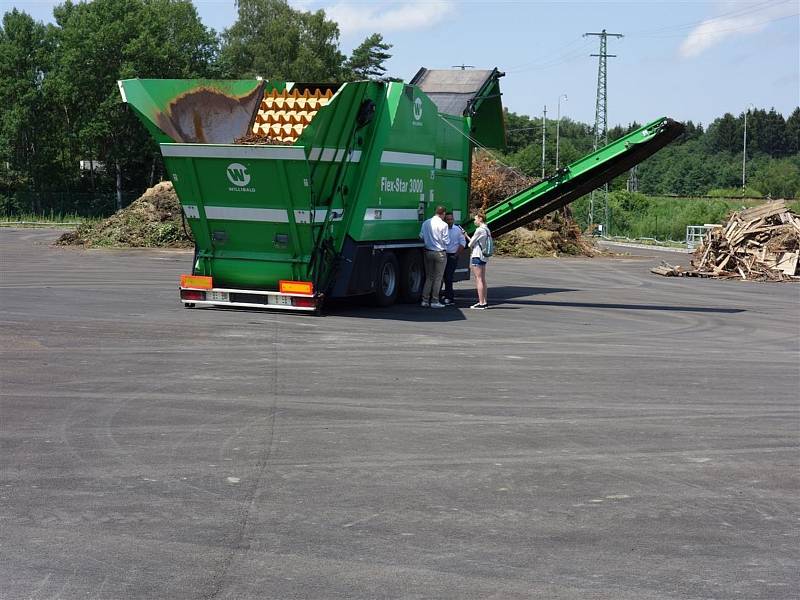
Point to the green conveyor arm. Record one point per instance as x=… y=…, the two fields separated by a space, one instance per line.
x=582 y=176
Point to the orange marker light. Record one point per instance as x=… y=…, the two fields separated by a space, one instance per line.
x=296 y=287
x=198 y=282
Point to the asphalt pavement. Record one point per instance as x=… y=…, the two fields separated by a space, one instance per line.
x=599 y=433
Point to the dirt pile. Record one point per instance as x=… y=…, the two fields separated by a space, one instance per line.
x=552 y=235
x=758 y=244
x=152 y=220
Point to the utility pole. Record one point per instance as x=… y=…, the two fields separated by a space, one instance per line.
x=544 y=131
x=744 y=145
x=633 y=180
x=601 y=114
x=558 y=126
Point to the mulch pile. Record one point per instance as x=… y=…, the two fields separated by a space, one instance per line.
x=552 y=235
x=757 y=244
x=154 y=220
x=254 y=139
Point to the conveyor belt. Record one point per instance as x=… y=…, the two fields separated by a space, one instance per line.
x=582 y=176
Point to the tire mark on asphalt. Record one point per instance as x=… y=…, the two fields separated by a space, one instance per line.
x=241 y=543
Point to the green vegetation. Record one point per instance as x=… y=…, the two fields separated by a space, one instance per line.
x=697 y=163
x=51 y=218
x=636 y=215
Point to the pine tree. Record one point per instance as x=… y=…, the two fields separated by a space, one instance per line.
x=367 y=60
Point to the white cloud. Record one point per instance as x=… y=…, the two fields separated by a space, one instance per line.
x=391 y=16
x=747 y=20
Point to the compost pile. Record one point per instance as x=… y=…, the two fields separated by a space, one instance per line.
x=552 y=235
x=152 y=220
x=756 y=244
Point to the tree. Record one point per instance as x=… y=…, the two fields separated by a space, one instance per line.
x=276 y=41
x=778 y=178
x=367 y=59
x=793 y=132
x=725 y=134
x=27 y=145
x=107 y=40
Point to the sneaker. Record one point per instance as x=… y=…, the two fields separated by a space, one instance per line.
x=425 y=304
x=479 y=306
x=437 y=305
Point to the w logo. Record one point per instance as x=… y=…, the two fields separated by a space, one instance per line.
x=237 y=174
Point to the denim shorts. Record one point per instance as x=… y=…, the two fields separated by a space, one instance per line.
x=477 y=262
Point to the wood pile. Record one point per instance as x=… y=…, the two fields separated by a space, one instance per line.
x=757 y=244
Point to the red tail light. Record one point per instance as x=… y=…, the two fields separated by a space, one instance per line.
x=193 y=295
x=304 y=302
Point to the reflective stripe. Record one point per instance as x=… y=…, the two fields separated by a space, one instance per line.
x=407 y=158
x=191 y=211
x=455 y=165
x=233 y=151
x=301 y=216
x=457 y=216
x=333 y=154
x=391 y=214
x=122 y=91
x=229 y=213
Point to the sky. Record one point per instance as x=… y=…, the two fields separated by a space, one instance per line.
x=684 y=59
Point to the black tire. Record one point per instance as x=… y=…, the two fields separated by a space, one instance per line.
x=387 y=278
x=412 y=276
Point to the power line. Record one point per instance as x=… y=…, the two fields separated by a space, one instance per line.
x=601 y=113
x=738 y=12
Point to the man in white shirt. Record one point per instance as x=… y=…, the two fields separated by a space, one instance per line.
x=457 y=244
x=435 y=234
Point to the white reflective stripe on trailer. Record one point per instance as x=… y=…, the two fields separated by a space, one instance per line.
x=449 y=164
x=320 y=214
x=399 y=245
x=406 y=158
x=122 y=91
x=334 y=155
x=230 y=213
x=191 y=211
x=457 y=216
x=250 y=305
x=391 y=214
x=233 y=151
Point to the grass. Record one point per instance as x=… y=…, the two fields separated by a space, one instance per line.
x=51 y=219
x=663 y=218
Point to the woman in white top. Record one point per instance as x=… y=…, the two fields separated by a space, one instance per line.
x=478 y=260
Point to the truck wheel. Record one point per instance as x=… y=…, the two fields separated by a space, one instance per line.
x=387 y=277
x=412 y=276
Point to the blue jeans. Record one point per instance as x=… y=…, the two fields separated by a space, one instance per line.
x=449 y=272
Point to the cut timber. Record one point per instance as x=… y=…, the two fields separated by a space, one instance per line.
x=787 y=263
x=769 y=209
x=757 y=244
